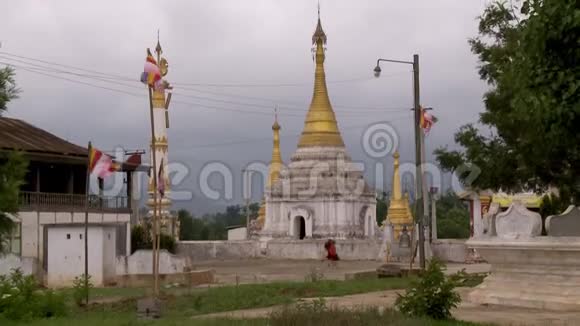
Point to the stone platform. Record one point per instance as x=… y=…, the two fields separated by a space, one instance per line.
x=540 y=273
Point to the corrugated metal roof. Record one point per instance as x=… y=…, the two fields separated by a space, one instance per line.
x=17 y=134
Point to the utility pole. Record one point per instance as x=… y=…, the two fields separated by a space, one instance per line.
x=419 y=211
x=420 y=203
x=248 y=180
x=433 y=192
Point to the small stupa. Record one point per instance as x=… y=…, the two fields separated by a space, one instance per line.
x=274 y=170
x=399 y=212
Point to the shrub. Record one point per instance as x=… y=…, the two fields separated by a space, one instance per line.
x=80 y=291
x=141 y=239
x=433 y=296
x=21 y=298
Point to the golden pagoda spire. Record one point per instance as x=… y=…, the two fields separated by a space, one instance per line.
x=275 y=166
x=396 y=194
x=320 y=127
x=276 y=163
x=399 y=212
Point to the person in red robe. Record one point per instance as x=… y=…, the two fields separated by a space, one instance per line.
x=331 y=250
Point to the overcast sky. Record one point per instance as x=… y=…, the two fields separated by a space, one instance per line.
x=243 y=45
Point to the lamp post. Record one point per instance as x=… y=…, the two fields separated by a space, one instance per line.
x=248 y=192
x=419 y=211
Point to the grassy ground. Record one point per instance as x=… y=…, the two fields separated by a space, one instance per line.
x=181 y=304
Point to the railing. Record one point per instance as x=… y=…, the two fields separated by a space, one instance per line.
x=43 y=201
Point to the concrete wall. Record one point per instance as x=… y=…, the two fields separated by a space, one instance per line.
x=109 y=253
x=209 y=250
x=33 y=224
x=277 y=249
x=314 y=249
x=9 y=262
x=450 y=250
x=141 y=262
x=237 y=234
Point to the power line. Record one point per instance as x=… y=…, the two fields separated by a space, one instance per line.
x=246 y=85
x=183 y=83
x=277 y=101
x=200 y=105
x=110 y=78
x=253 y=140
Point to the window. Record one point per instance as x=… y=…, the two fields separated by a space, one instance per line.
x=80 y=236
x=68 y=236
x=14 y=241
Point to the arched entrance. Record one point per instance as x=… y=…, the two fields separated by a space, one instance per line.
x=300 y=227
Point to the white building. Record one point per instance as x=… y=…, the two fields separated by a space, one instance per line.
x=53 y=196
x=321 y=194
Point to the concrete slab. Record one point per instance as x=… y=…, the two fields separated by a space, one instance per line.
x=266 y=270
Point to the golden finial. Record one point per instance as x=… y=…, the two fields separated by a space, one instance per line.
x=276 y=126
x=320 y=127
x=158 y=46
x=319 y=34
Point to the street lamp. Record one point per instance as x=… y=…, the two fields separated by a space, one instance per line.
x=418 y=153
x=247 y=173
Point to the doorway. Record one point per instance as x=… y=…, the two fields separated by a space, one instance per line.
x=300 y=227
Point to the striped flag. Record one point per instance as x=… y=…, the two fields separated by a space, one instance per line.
x=151 y=75
x=427 y=120
x=101 y=164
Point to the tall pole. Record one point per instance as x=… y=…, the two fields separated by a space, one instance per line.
x=247 y=173
x=87 y=189
x=155 y=223
x=418 y=161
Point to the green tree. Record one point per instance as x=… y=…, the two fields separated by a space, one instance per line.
x=8 y=89
x=452 y=217
x=12 y=165
x=382 y=206
x=186 y=231
x=530 y=57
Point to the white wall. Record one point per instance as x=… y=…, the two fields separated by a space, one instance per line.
x=66 y=254
x=10 y=261
x=353 y=249
x=450 y=250
x=109 y=253
x=33 y=224
x=237 y=234
x=140 y=262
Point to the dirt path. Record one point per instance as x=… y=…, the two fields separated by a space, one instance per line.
x=466 y=311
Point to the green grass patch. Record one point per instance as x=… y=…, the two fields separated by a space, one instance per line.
x=180 y=305
x=248 y=296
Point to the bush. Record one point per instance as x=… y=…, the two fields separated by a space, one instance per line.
x=21 y=298
x=80 y=291
x=141 y=239
x=433 y=296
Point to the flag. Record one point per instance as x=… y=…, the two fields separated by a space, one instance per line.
x=161 y=180
x=101 y=163
x=151 y=75
x=427 y=120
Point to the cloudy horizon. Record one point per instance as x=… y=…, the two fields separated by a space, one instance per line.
x=231 y=63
